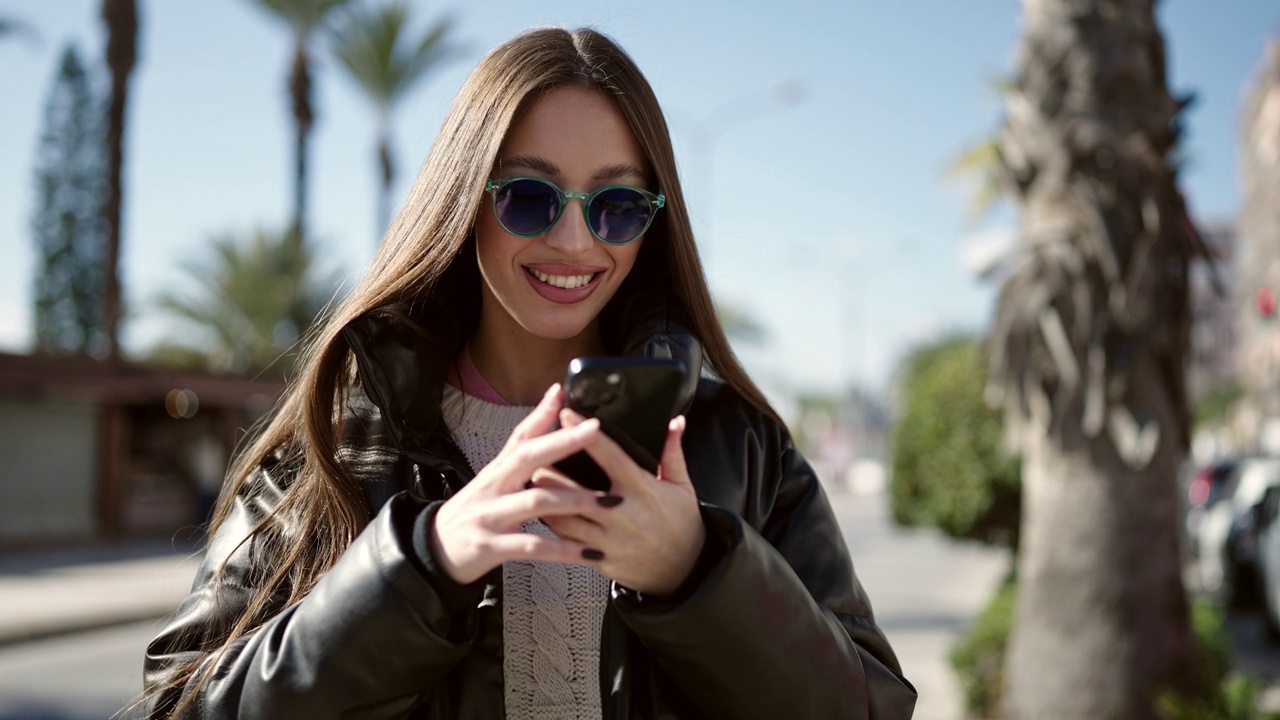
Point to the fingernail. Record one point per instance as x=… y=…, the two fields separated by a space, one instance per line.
x=592 y=554
x=609 y=500
x=587 y=427
x=555 y=388
x=528 y=484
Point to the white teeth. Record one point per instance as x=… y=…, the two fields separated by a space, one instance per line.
x=567 y=282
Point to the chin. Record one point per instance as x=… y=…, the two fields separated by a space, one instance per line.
x=556 y=330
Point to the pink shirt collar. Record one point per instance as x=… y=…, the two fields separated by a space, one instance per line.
x=468 y=380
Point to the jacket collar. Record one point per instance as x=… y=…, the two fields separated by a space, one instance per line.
x=402 y=367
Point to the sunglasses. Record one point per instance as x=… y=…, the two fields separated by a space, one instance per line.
x=529 y=206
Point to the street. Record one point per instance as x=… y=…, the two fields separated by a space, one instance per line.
x=924 y=588
x=86 y=676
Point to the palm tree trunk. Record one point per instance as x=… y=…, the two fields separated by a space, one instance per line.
x=1088 y=348
x=121 y=18
x=300 y=93
x=1101 y=626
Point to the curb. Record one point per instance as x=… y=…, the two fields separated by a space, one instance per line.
x=36 y=631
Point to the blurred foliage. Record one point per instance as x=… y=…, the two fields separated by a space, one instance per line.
x=376 y=48
x=978 y=660
x=304 y=19
x=978 y=657
x=67 y=222
x=948 y=468
x=980 y=162
x=1213 y=408
x=1231 y=695
x=11 y=27
x=738 y=324
x=251 y=301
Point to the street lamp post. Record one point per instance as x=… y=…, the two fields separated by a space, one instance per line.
x=711 y=127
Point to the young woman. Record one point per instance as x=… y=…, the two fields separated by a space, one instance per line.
x=395 y=545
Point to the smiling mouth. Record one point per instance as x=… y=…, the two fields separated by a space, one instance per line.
x=567 y=282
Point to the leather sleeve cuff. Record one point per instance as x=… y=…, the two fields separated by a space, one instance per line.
x=714 y=549
x=456 y=597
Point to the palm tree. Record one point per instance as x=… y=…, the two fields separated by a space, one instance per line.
x=251 y=300
x=1088 y=348
x=13 y=27
x=121 y=18
x=303 y=17
x=374 y=46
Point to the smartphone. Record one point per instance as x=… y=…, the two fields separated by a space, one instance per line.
x=634 y=398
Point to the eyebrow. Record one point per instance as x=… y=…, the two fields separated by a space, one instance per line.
x=546 y=167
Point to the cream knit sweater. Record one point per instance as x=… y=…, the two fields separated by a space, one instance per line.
x=551 y=613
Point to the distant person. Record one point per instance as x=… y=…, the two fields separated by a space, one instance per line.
x=395 y=544
x=207 y=462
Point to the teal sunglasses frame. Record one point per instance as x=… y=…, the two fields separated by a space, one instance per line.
x=656 y=202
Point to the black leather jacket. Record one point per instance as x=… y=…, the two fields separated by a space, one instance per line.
x=773 y=623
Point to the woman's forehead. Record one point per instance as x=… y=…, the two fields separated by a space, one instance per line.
x=573 y=132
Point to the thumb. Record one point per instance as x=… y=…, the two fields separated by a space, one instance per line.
x=672 y=467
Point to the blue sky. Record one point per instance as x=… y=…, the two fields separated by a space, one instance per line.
x=829 y=219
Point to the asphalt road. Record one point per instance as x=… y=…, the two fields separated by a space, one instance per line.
x=87 y=676
x=924 y=590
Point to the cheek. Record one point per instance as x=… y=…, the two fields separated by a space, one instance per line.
x=624 y=258
x=494 y=246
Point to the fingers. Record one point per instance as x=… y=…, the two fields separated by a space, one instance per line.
x=522 y=460
x=511 y=511
x=570 y=417
x=672 y=467
x=549 y=477
x=542 y=419
x=577 y=529
x=527 y=546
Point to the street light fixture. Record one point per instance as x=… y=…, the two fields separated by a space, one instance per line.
x=711 y=127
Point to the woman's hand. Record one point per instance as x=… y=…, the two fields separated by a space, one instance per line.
x=652 y=537
x=480 y=528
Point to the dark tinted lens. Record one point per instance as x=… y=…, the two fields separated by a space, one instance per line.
x=618 y=215
x=526 y=207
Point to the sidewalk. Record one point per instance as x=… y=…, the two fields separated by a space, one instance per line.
x=45 y=593
x=926 y=589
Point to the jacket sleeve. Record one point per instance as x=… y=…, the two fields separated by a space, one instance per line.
x=774 y=623
x=374 y=635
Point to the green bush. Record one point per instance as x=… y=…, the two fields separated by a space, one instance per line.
x=978 y=660
x=948 y=468
x=1231 y=696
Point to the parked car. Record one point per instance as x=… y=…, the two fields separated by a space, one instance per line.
x=1227 y=536
x=1269 y=559
x=1203 y=488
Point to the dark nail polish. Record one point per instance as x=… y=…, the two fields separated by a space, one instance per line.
x=528 y=484
x=609 y=500
x=592 y=554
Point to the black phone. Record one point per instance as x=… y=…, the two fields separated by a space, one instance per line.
x=634 y=398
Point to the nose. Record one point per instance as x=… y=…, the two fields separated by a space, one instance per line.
x=570 y=234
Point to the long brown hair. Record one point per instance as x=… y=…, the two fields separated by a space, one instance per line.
x=423 y=249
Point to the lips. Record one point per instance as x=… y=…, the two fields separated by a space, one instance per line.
x=563 y=284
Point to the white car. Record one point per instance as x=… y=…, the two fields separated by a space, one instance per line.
x=1228 y=531
x=1269 y=558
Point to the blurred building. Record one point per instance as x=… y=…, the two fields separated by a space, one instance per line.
x=1259 y=265
x=91 y=451
x=1212 y=365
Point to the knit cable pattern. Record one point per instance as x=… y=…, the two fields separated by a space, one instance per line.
x=551 y=613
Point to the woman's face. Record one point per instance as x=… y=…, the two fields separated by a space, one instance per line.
x=578 y=139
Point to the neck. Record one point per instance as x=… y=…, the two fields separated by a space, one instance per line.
x=521 y=366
